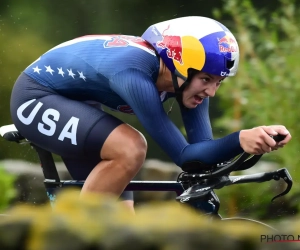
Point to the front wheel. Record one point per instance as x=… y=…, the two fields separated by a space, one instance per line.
x=247 y=221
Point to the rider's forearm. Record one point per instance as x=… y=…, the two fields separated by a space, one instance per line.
x=213 y=151
x=197 y=123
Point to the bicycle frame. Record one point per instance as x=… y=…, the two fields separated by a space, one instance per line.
x=208 y=203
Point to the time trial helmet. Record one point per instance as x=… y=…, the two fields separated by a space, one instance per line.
x=195 y=42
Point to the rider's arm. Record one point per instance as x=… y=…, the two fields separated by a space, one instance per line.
x=197 y=122
x=140 y=92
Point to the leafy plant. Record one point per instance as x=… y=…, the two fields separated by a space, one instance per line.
x=7 y=189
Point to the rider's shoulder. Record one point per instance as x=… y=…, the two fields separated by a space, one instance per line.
x=111 y=41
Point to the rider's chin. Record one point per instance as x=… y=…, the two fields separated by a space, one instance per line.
x=190 y=106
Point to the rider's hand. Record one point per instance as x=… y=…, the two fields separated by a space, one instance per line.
x=258 y=140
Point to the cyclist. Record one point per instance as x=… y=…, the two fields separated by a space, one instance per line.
x=56 y=102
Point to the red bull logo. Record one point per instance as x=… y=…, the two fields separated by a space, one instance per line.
x=227 y=44
x=173 y=44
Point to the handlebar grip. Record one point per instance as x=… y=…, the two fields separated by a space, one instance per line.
x=278 y=137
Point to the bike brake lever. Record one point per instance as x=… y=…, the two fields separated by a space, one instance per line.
x=285 y=175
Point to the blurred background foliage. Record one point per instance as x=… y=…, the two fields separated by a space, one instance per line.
x=265 y=90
